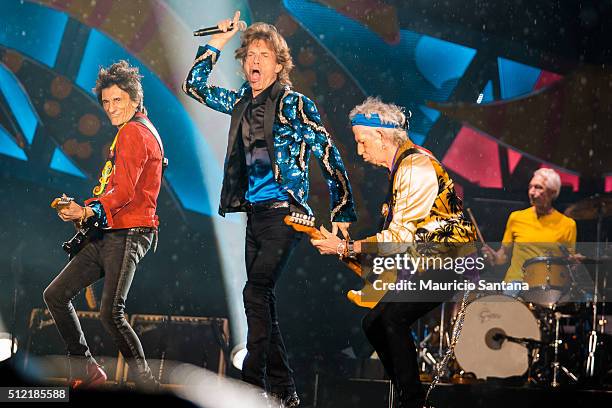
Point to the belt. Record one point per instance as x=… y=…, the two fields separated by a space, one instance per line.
x=143 y=230
x=147 y=230
x=269 y=205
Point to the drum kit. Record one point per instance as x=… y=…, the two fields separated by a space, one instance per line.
x=548 y=335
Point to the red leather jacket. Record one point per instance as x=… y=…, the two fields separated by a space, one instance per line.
x=130 y=197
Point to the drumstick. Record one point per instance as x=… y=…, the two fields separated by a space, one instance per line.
x=469 y=211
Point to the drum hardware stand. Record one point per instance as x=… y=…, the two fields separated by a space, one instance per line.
x=590 y=364
x=456 y=332
x=531 y=354
x=530 y=344
x=556 y=365
x=425 y=354
x=442 y=311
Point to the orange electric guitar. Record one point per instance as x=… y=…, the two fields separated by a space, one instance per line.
x=83 y=235
x=368 y=296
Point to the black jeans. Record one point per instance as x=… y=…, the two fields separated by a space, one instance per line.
x=269 y=243
x=114 y=257
x=387 y=327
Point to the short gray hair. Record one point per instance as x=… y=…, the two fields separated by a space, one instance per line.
x=388 y=113
x=552 y=180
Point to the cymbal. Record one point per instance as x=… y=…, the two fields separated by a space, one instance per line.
x=589 y=208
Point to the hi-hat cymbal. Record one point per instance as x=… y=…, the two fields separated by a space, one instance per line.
x=590 y=208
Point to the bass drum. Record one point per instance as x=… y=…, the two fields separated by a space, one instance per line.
x=482 y=351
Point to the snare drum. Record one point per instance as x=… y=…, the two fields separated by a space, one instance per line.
x=548 y=278
x=480 y=349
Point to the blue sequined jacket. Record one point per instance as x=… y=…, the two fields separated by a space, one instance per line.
x=292 y=128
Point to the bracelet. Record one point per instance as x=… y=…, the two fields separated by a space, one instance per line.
x=84 y=216
x=340 y=249
x=349 y=251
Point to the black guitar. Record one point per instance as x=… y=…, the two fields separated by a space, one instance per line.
x=86 y=232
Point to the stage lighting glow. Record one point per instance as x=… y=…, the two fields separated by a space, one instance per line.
x=5 y=346
x=238 y=354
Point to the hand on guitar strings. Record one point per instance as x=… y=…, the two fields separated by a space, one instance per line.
x=72 y=212
x=330 y=245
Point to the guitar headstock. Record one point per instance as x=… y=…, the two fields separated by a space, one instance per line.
x=61 y=202
x=301 y=219
x=301 y=222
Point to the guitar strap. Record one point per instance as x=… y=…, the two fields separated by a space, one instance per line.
x=146 y=123
x=389 y=201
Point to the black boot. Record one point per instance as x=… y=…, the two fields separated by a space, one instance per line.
x=288 y=400
x=409 y=399
x=147 y=383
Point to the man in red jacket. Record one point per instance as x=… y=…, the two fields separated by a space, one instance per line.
x=124 y=205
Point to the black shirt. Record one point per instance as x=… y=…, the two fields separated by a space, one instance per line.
x=262 y=186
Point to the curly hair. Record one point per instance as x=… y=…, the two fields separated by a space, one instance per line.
x=388 y=113
x=126 y=77
x=276 y=42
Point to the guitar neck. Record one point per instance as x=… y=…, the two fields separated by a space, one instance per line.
x=305 y=224
x=313 y=233
x=61 y=202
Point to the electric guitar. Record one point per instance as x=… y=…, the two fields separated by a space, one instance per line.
x=368 y=296
x=85 y=233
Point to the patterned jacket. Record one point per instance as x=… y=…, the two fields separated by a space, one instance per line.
x=423 y=205
x=292 y=128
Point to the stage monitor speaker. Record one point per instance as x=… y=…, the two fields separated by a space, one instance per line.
x=351 y=392
x=46 y=353
x=169 y=341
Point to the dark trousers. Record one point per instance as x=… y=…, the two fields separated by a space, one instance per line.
x=113 y=257
x=269 y=243
x=387 y=327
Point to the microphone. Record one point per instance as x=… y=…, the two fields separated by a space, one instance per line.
x=216 y=30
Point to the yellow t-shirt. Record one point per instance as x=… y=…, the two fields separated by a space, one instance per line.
x=531 y=236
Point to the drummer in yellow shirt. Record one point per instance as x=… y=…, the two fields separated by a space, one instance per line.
x=537 y=230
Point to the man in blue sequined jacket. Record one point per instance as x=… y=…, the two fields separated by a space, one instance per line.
x=273 y=130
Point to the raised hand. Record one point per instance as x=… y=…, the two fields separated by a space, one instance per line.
x=219 y=40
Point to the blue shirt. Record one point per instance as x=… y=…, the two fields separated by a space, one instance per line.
x=262 y=185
